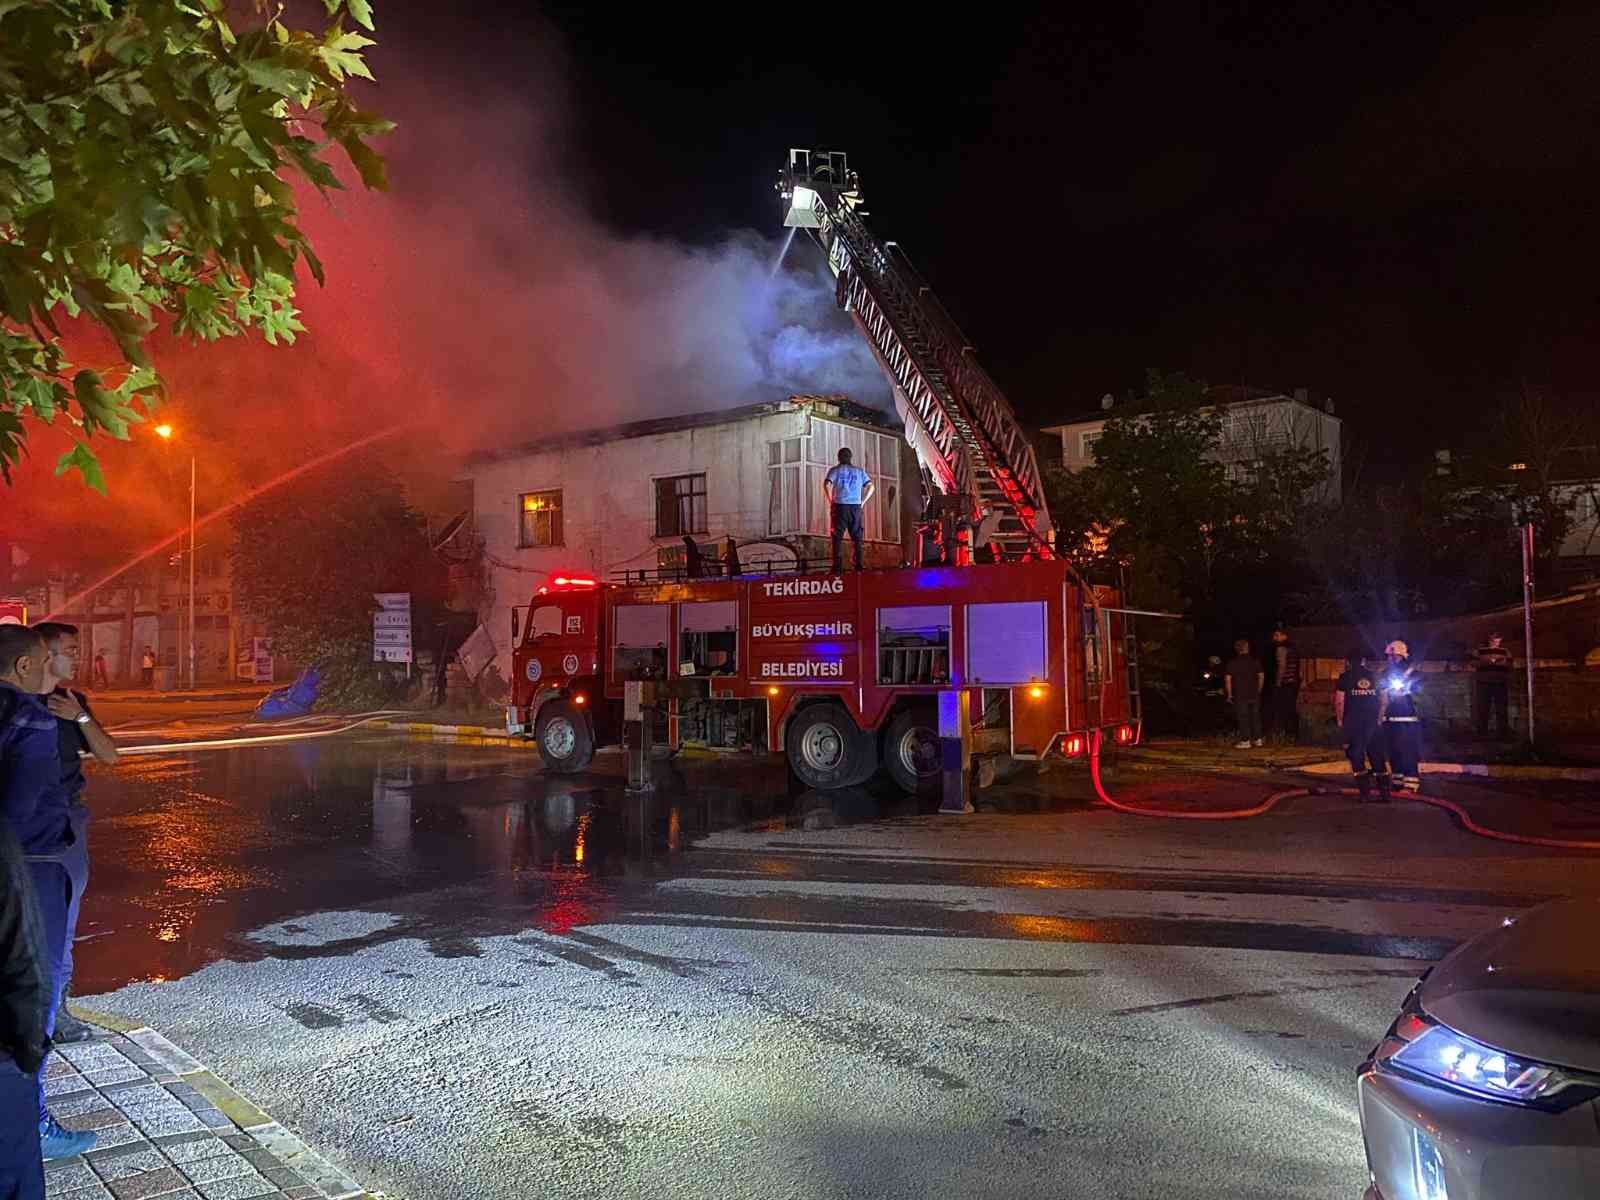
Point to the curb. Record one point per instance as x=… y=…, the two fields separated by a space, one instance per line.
x=1489 y=770
x=472 y=735
x=269 y=1134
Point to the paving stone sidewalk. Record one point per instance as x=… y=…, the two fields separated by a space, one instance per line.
x=169 y=1128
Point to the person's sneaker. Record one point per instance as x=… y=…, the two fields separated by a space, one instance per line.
x=1244 y=745
x=1260 y=742
x=56 y=1142
x=69 y=1029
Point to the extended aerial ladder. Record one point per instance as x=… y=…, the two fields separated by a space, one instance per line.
x=960 y=424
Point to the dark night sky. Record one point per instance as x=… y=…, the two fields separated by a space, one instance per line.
x=1393 y=206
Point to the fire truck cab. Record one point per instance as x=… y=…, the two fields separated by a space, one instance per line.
x=840 y=671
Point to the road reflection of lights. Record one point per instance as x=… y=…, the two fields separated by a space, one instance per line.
x=583 y=837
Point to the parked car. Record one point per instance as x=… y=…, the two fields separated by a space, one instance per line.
x=1487 y=1085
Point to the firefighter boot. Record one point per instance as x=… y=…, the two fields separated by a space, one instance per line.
x=1364 y=786
x=1383 y=787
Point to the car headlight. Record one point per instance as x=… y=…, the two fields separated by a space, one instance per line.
x=1421 y=1047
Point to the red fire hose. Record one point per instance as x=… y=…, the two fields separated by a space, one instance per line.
x=1236 y=814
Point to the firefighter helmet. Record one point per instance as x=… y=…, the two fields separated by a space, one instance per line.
x=1397 y=648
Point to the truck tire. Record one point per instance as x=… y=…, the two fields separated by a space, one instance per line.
x=826 y=749
x=911 y=751
x=566 y=740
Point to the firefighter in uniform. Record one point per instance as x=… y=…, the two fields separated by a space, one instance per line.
x=1357 y=705
x=1402 y=724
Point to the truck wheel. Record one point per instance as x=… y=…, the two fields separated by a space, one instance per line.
x=826 y=749
x=911 y=752
x=566 y=743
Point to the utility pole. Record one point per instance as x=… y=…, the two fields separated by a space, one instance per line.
x=191 y=570
x=1527 y=618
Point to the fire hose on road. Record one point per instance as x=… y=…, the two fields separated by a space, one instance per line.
x=1238 y=814
x=229 y=743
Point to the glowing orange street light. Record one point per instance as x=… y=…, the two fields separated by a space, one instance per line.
x=165 y=432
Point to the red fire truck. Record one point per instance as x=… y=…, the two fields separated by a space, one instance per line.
x=843 y=672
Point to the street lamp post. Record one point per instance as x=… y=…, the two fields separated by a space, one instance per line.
x=165 y=432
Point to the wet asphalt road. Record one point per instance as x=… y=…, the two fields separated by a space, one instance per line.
x=460 y=978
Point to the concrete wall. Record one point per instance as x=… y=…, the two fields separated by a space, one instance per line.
x=1566 y=698
x=608 y=499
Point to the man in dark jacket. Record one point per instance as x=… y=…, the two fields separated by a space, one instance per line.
x=36 y=808
x=1285 y=707
x=23 y=1045
x=77 y=734
x=1242 y=681
x=1492 y=674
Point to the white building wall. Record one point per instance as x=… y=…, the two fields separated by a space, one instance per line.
x=1249 y=431
x=1583 y=527
x=608 y=501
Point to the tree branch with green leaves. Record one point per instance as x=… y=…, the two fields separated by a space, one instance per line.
x=148 y=155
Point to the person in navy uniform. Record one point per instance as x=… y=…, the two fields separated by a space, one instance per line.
x=1491 y=666
x=77 y=734
x=847 y=488
x=1357 y=708
x=1402 y=723
x=34 y=810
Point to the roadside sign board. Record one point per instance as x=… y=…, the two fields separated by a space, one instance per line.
x=261 y=660
x=391 y=627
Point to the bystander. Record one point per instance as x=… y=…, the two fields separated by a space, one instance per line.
x=1491 y=666
x=34 y=806
x=1242 y=680
x=23 y=1044
x=77 y=734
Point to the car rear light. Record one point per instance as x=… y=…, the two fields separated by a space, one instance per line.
x=1124 y=734
x=1072 y=746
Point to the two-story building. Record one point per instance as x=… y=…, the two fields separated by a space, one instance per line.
x=604 y=502
x=1255 y=424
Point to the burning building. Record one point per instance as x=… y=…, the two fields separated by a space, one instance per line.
x=628 y=498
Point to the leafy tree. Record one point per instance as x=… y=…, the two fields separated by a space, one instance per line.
x=147 y=154
x=308 y=559
x=1161 y=505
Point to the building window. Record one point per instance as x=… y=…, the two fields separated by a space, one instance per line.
x=1086 y=444
x=680 y=505
x=541 y=519
x=787 y=509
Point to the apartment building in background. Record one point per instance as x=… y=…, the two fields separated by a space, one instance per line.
x=1255 y=423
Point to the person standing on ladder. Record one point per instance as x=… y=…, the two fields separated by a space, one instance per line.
x=847 y=488
x=1402 y=723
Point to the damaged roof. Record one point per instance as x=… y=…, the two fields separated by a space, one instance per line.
x=840 y=408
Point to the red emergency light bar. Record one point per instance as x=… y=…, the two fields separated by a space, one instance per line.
x=1124 y=734
x=575 y=581
x=1072 y=745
